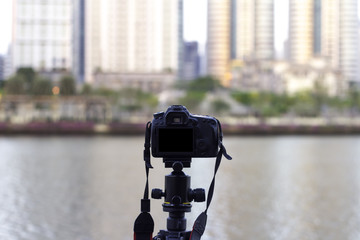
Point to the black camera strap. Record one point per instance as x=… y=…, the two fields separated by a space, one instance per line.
x=144 y=223
x=200 y=222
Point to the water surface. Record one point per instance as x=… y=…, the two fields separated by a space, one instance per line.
x=89 y=188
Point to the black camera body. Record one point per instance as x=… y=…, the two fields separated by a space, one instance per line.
x=180 y=134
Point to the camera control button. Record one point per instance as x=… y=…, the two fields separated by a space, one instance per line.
x=158 y=115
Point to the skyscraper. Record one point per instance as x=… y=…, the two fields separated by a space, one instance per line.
x=340 y=40
x=264 y=29
x=42 y=35
x=253 y=33
x=78 y=40
x=132 y=36
x=218 y=44
x=244 y=30
x=301 y=30
x=191 y=61
x=248 y=32
x=327 y=28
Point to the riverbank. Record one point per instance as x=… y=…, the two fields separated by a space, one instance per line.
x=88 y=128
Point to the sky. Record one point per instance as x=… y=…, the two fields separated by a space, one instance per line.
x=195 y=12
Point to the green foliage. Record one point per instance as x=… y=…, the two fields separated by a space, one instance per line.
x=67 y=86
x=132 y=99
x=245 y=98
x=320 y=96
x=353 y=99
x=86 y=89
x=196 y=91
x=204 y=84
x=41 y=86
x=106 y=92
x=264 y=104
x=304 y=104
x=220 y=106
x=15 y=85
x=192 y=99
x=29 y=75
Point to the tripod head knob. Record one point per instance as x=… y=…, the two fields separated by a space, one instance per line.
x=157 y=193
x=197 y=194
x=177 y=166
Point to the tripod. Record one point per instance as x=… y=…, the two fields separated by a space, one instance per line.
x=178 y=196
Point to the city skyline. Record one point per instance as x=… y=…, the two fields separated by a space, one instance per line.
x=195 y=22
x=189 y=36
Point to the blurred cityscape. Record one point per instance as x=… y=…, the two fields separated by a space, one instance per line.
x=117 y=61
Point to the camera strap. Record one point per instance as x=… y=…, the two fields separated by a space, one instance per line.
x=200 y=222
x=144 y=223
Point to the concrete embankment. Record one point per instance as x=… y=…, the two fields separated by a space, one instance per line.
x=86 y=128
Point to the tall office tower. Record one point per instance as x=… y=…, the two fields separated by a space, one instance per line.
x=181 y=49
x=191 y=61
x=131 y=36
x=301 y=30
x=239 y=29
x=317 y=27
x=264 y=29
x=78 y=40
x=340 y=40
x=244 y=30
x=42 y=35
x=218 y=44
x=252 y=30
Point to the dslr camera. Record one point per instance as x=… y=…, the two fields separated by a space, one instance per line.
x=179 y=134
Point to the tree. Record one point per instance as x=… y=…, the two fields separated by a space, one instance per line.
x=132 y=99
x=204 y=84
x=42 y=86
x=220 y=106
x=28 y=74
x=15 y=85
x=304 y=104
x=320 y=96
x=244 y=98
x=67 y=86
x=353 y=101
x=192 y=99
x=87 y=89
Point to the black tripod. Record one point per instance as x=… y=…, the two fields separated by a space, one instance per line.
x=178 y=196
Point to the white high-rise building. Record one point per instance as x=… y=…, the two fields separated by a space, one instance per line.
x=301 y=30
x=340 y=40
x=131 y=36
x=42 y=35
x=238 y=29
x=244 y=28
x=254 y=28
x=78 y=40
x=327 y=28
x=218 y=44
x=264 y=29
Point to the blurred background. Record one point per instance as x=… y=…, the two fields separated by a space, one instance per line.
x=80 y=78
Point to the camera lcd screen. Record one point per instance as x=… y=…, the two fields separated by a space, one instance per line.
x=176 y=140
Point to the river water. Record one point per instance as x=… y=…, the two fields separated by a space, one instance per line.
x=89 y=188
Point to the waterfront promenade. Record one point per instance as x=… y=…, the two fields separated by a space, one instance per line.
x=99 y=115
